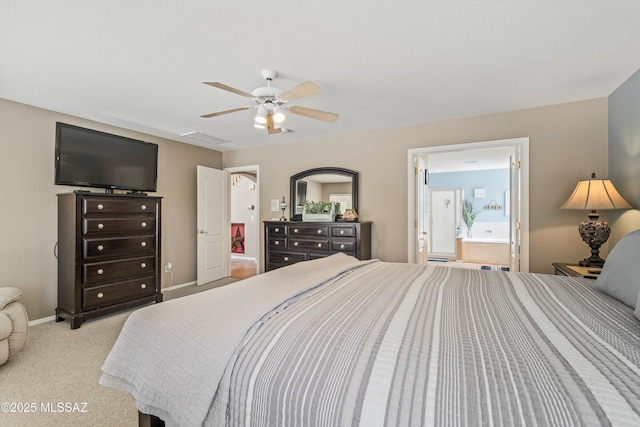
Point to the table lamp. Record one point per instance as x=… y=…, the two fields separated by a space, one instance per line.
x=283 y=206
x=595 y=194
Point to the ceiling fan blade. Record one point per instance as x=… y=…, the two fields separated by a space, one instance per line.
x=271 y=129
x=314 y=114
x=229 y=88
x=219 y=113
x=305 y=89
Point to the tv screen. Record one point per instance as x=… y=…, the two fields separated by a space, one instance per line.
x=89 y=158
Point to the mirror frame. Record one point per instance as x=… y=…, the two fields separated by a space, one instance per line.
x=319 y=171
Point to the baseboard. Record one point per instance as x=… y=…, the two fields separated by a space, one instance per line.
x=246 y=258
x=43 y=320
x=174 y=287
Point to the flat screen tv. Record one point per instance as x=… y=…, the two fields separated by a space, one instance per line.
x=89 y=158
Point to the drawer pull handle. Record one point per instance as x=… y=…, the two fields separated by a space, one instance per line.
x=143 y=286
x=100 y=247
x=295 y=230
x=277 y=242
x=144 y=224
x=277 y=230
x=143 y=207
x=100 y=206
x=319 y=231
x=295 y=244
x=319 y=245
x=286 y=258
x=100 y=271
x=143 y=244
x=100 y=294
x=342 y=246
x=341 y=231
x=100 y=226
x=143 y=265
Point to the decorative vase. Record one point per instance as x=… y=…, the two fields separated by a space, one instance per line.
x=469 y=234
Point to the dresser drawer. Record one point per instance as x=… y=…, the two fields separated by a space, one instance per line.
x=115 y=271
x=118 y=225
x=118 y=247
x=343 y=245
x=101 y=296
x=308 y=230
x=277 y=230
x=286 y=258
x=277 y=243
x=347 y=231
x=96 y=205
x=315 y=245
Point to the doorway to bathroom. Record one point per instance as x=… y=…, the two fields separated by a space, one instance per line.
x=468 y=204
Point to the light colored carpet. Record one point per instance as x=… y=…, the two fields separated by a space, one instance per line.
x=55 y=377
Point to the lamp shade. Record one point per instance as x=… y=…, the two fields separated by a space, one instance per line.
x=596 y=194
x=278 y=114
x=261 y=116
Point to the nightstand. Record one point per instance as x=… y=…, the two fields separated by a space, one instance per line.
x=563 y=269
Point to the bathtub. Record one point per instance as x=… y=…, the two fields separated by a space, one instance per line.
x=486 y=250
x=484 y=240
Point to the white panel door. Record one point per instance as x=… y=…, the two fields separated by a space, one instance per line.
x=515 y=207
x=442 y=214
x=214 y=229
x=421 y=211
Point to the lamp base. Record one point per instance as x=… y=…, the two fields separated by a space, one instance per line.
x=594 y=233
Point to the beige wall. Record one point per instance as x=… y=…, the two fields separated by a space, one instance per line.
x=28 y=203
x=567 y=143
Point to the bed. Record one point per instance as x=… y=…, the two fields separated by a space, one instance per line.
x=342 y=342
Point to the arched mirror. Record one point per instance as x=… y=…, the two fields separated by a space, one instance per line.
x=324 y=184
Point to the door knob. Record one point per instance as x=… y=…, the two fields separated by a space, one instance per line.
x=202 y=232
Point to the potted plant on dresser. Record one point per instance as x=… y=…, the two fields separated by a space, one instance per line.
x=318 y=211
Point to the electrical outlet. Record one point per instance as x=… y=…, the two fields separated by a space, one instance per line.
x=168 y=266
x=275 y=205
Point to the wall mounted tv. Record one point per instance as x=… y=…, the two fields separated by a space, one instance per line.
x=89 y=158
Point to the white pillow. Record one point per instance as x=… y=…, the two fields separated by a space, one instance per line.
x=620 y=275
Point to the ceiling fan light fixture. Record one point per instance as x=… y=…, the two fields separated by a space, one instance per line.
x=278 y=114
x=261 y=116
x=258 y=125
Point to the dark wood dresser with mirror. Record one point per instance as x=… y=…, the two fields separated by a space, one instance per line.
x=287 y=242
x=108 y=254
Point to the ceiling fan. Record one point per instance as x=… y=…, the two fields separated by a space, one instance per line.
x=272 y=103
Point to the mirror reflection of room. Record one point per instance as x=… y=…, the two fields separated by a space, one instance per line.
x=330 y=185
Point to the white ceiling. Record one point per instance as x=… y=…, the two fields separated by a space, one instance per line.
x=140 y=64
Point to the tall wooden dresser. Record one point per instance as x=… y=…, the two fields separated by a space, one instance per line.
x=108 y=254
x=289 y=242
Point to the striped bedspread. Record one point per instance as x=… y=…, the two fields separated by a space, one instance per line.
x=390 y=344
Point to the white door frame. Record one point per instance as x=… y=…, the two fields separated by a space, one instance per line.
x=522 y=142
x=255 y=169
